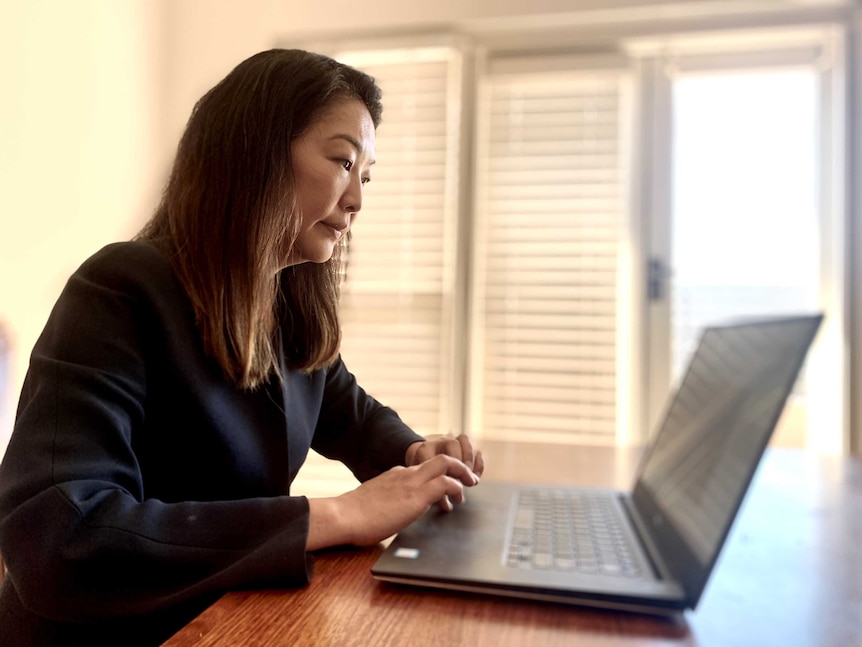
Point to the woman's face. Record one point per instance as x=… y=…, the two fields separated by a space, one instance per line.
x=331 y=164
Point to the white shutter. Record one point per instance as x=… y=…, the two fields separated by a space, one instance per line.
x=398 y=297
x=547 y=238
x=397 y=304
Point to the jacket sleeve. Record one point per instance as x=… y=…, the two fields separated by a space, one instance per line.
x=356 y=429
x=82 y=538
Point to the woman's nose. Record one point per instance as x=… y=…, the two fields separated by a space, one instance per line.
x=352 y=198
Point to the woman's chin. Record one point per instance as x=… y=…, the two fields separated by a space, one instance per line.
x=315 y=256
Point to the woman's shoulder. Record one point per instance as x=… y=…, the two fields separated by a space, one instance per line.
x=127 y=263
x=133 y=256
x=130 y=267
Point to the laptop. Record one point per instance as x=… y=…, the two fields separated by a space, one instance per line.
x=649 y=550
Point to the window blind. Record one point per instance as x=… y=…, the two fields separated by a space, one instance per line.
x=547 y=237
x=398 y=295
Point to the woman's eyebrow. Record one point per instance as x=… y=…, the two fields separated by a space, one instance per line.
x=353 y=142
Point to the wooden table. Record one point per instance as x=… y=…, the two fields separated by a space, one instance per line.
x=791 y=575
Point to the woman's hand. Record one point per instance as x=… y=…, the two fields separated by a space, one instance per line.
x=459 y=447
x=384 y=505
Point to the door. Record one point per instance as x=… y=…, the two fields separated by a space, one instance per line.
x=752 y=219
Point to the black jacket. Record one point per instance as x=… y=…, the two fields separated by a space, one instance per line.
x=138 y=484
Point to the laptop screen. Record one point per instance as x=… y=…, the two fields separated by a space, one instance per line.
x=715 y=431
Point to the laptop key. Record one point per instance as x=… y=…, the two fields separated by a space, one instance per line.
x=564 y=564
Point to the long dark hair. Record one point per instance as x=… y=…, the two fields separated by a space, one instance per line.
x=228 y=213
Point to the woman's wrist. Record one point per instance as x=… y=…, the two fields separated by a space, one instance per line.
x=327 y=525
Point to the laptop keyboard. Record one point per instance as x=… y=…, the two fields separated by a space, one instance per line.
x=566 y=531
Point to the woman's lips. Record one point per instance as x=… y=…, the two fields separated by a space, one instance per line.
x=338 y=228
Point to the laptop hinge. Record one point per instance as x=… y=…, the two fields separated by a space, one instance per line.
x=653 y=554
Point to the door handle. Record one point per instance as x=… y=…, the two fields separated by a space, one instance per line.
x=657 y=274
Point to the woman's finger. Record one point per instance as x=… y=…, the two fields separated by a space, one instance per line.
x=466 y=451
x=444 y=465
x=478 y=463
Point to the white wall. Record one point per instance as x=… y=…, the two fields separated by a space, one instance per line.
x=78 y=159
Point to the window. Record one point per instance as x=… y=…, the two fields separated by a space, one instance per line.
x=549 y=214
x=398 y=306
x=497 y=281
x=749 y=218
x=399 y=297
x=538 y=354
x=745 y=226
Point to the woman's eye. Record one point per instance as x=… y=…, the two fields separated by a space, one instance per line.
x=347 y=164
x=366 y=180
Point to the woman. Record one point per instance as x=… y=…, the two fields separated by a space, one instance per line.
x=183 y=376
